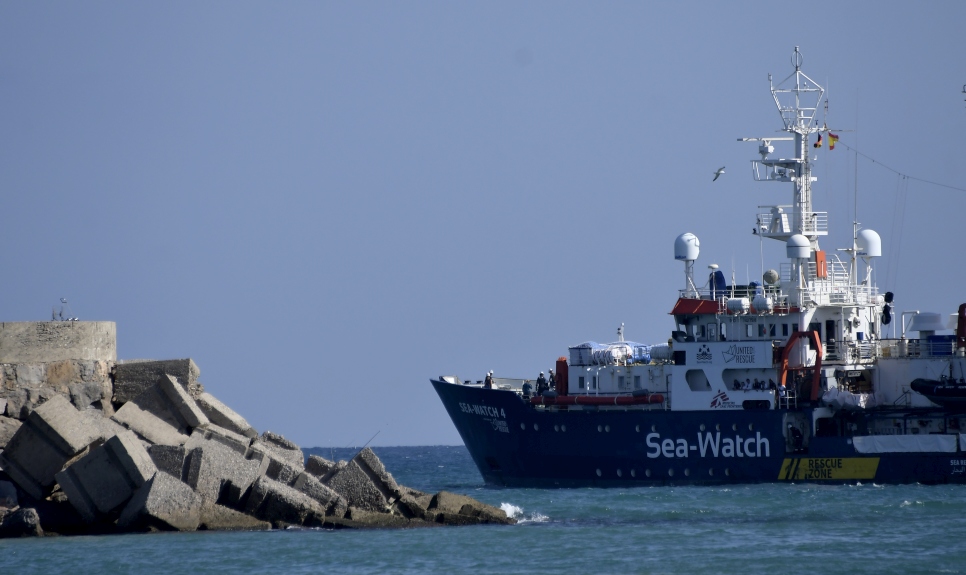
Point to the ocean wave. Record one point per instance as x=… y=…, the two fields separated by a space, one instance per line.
x=514 y=512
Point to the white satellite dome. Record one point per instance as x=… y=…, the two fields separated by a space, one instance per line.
x=686 y=247
x=798 y=247
x=868 y=243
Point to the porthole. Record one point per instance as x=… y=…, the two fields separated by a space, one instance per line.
x=751 y=427
x=556 y=428
x=619 y=474
x=653 y=428
x=702 y=427
x=637 y=428
x=734 y=427
x=717 y=427
x=647 y=472
x=711 y=471
x=727 y=472
x=523 y=426
x=633 y=473
x=563 y=428
x=598 y=473
x=607 y=428
x=687 y=472
x=600 y=428
x=536 y=427
x=670 y=472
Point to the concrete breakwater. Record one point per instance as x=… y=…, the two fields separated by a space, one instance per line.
x=94 y=445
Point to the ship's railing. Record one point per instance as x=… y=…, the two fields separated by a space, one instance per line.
x=498 y=382
x=935 y=346
x=836 y=288
x=779 y=298
x=778 y=221
x=850 y=351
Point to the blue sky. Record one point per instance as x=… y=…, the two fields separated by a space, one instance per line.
x=326 y=204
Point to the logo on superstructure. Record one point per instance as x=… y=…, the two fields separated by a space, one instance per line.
x=720 y=399
x=739 y=354
x=704 y=355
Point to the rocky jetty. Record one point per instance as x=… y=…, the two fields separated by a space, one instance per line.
x=93 y=445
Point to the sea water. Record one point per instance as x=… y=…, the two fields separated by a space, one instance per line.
x=769 y=529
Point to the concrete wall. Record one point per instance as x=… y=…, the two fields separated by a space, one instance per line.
x=51 y=341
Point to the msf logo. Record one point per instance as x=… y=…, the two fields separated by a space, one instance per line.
x=719 y=399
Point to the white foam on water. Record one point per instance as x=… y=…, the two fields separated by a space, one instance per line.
x=511 y=510
x=514 y=512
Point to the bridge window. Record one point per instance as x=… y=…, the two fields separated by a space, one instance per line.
x=580 y=382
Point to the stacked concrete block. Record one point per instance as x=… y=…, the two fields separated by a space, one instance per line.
x=102 y=481
x=281 y=449
x=162 y=504
x=332 y=503
x=319 y=466
x=132 y=378
x=51 y=436
x=276 y=502
x=212 y=432
x=223 y=416
x=163 y=413
x=169 y=459
x=219 y=474
x=365 y=483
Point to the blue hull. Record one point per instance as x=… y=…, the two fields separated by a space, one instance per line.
x=514 y=444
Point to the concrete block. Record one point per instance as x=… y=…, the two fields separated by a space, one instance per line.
x=163 y=414
x=44 y=342
x=364 y=518
x=222 y=415
x=220 y=518
x=8 y=428
x=52 y=435
x=103 y=480
x=132 y=378
x=219 y=474
x=365 y=483
x=280 y=504
x=169 y=459
x=282 y=448
x=163 y=503
x=333 y=503
x=3 y=406
x=212 y=432
x=319 y=466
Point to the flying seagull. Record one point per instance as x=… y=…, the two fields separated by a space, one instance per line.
x=718 y=173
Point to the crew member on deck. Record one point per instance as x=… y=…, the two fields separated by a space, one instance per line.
x=541 y=384
x=488 y=382
x=527 y=388
x=552 y=382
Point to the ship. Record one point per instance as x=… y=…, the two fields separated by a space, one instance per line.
x=799 y=377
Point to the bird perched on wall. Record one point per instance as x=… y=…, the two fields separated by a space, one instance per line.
x=718 y=173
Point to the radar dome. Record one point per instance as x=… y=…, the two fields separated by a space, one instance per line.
x=798 y=247
x=686 y=247
x=770 y=277
x=868 y=243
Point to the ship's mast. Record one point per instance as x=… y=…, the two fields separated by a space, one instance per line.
x=798 y=98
